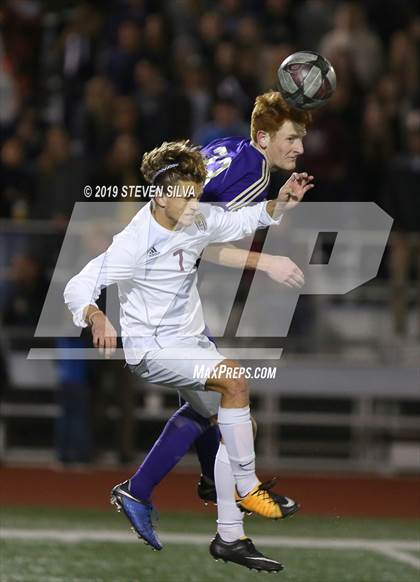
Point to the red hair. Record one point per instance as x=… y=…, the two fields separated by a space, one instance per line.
x=271 y=111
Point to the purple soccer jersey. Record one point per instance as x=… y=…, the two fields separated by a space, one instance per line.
x=237 y=173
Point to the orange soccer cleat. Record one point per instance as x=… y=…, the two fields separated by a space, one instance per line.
x=262 y=501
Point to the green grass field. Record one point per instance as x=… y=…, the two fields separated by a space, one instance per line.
x=103 y=549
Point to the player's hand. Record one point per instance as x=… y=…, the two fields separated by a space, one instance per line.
x=284 y=271
x=103 y=334
x=293 y=191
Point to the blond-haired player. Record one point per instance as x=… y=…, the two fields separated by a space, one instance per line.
x=237 y=174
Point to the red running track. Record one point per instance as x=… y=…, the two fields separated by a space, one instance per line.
x=327 y=494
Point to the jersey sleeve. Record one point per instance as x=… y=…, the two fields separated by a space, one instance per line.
x=116 y=264
x=228 y=226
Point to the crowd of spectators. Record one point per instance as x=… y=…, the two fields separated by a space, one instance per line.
x=87 y=87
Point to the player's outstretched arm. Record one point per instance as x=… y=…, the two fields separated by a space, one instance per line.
x=231 y=226
x=280 y=269
x=290 y=194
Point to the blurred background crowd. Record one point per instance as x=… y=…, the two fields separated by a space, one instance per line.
x=87 y=87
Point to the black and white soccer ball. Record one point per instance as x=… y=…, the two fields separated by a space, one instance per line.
x=307 y=80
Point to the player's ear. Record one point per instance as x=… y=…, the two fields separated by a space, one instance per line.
x=160 y=201
x=262 y=138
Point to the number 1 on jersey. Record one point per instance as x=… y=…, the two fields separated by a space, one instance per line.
x=180 y=254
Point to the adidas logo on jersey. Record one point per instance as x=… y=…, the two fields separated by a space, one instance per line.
x=152 y=253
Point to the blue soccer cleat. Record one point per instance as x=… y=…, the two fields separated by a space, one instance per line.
x=138 y=513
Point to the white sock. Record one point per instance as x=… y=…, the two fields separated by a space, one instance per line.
x=236 y=429
x=229 y=517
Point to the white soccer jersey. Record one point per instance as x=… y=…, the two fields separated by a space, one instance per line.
x=155 y=270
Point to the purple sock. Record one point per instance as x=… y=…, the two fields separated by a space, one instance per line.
x=207 y=445
x=181 y=430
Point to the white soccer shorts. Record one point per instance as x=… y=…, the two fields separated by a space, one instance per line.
x=176 y=366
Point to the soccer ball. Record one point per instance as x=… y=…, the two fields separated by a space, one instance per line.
x=307 y=80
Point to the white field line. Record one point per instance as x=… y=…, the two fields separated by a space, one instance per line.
x=392 y=552
x=395 y=549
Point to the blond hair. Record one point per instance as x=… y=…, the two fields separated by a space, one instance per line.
x=172 y=162
x=271 y=111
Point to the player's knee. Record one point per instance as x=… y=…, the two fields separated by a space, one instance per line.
x=231 y=380
x=236 y=388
